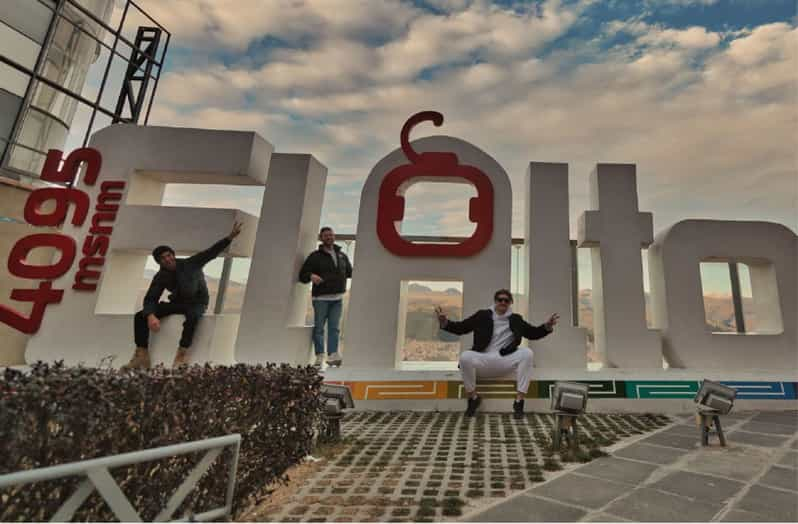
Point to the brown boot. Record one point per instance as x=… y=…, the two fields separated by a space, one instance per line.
x=140 y=360
x=181 y=358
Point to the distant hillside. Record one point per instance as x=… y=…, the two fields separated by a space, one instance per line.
x=418 y=288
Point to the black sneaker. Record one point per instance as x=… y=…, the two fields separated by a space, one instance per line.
x=518 y=409
x=473 y=404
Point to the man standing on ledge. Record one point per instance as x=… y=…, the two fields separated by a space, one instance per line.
x=328 y=268
x=184 y=279
x=497 y=336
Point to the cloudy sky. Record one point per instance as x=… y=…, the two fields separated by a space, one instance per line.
x=700 y=94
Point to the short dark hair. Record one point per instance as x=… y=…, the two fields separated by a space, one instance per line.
x=501 y=292
x=160 y=250
x=325 y=228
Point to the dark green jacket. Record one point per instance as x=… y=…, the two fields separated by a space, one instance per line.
x=186 y=283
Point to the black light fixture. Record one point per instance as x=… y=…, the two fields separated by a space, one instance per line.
x=713 y=399
x=568 y=401
x=336 y=399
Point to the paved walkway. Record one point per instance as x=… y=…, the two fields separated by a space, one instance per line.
x=666 y=476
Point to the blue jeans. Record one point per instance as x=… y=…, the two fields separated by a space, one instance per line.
x=328 y=311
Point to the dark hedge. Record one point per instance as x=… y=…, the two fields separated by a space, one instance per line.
x=53 y=414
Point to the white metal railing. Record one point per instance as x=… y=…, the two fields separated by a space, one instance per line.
x=98 y=477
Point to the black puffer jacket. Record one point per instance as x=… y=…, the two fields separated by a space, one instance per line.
x=481 y=323
x=186 y=283
x=333 y=276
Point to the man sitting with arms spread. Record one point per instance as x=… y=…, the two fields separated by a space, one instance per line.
x=184 y=279
x=497 y=336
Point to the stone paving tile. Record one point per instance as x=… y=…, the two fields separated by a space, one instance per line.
x=704 y=488
x=651 y=505
x=648 y=453
x=778 y=477
x=738 y=515
x=736 y=462
x=684 y=430
x=794 y=444
x=672 y=441
x=603 y=517
x=581 y=491
x=618 y=470
x=790 y=459
x=772 y=503
x=767 y=427
x=756 y=439
x=526 y=508
x=787 y=418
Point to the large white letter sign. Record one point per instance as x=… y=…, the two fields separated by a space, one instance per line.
x=272 y=325
x=374 y=330
x=770 y=251
x=616 y=231
x=88 y=327
x=548 y=258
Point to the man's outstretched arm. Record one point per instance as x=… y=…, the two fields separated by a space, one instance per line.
x=458 y=328
x=203 y=257
x=536 y=332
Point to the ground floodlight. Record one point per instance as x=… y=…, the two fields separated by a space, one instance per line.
x=570 y=397
x=340 y=393
x=716 y=397
x=336 y=399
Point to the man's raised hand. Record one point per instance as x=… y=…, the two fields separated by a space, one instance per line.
x=552 y=321
x=442 y=320
x=236 y=230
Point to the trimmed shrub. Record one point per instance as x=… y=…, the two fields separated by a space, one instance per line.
x=53 y=414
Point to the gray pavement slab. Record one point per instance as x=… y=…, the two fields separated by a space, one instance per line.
x=651 y=505
x=525 y=508
x=618 y=470
x=757 y=439
x=794 y=444
x=774 y=504
x=779 y=477
x=704 y=488
x=790 y=459
x=603 y=517
x=672 y=441
x=738 y=515
x=686 y=430
x=767 y=427
x=580 y=490
x=788 y=418
x=649 y=453
x=736 y=462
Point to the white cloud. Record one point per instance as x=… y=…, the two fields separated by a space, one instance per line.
x=713 y=138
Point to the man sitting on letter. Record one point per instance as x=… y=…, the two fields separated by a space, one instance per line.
x=497 y=336
x=184 y=279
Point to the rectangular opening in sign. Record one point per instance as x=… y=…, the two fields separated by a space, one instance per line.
x=422 y=344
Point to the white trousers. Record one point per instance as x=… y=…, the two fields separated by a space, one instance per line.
x=475 y=365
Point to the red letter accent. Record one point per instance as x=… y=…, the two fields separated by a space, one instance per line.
x=84 y=274
x=16 y=259
x=62 y=199
x=52 y=173
x=93 y=245
x=40 y=297
x=391 y=204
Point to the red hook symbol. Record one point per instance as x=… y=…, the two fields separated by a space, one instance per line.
x=391 y=203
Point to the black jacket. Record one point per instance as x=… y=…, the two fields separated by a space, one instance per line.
x=186 y=283
x=333 y=276
x=481 y=323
